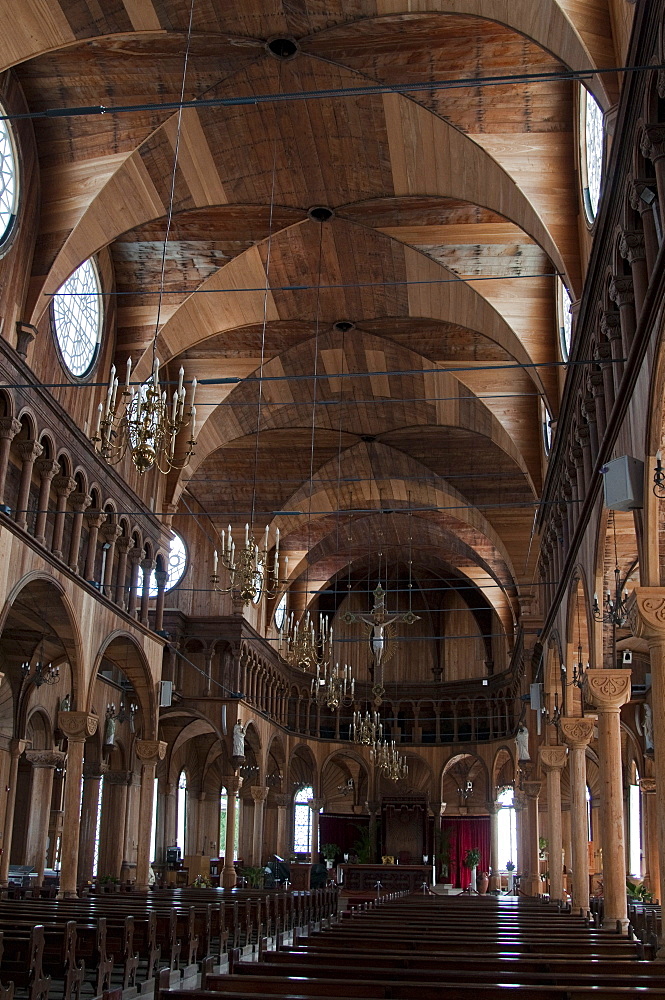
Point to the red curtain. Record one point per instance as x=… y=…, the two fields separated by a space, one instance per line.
x=466 y=832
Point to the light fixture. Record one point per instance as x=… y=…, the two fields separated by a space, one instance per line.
x=145 y=423
x=366 y=729
x=40 y=673
x=333 y=686
x=249 y=574
x=389 y=761
x=346 y=788
x=298 y=642
x=659 y=478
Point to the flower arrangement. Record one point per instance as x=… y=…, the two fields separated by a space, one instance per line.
x=510 y=866
x=201 y=882
x=472 y=858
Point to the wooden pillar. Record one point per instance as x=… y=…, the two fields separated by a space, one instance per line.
x=64 y=487
x=259 y=794
x=80 y=503
x=47 y=470
x=233 y=786
x=44 y=763
x=29 y=452
x=9 y=428
x=94 y=519
x=149 y=752
x=608 y=690
x=135 y=557
x=494 y=808
x=16 y=748
x=315 y=805
x=577 y=733
x=147 y=566
x=92 y=777
x=77 y=727
x=632 y=249
x=122 y=546
x=161 y=577
x=283 y=802
x=110 y=533
x=114 y=812
x=373 y=808
x=553 y=761
x=646 y=607
x=650 y=828
x=531 y=883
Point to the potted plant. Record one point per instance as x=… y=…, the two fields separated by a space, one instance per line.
x=330 y=852
x=109 y=883
x=472 y=860
x=542 y=848
x=201 y=882
x=638 y=892
x=510 y=868
x=255 y=875
x=363 y=846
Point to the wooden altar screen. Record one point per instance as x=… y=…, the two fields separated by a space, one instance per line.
x=405 y=828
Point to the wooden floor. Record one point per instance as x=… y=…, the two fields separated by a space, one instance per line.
x=431 y=947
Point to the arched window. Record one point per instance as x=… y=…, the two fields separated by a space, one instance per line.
x=302 y=820
x=181 y=812
x=280 y=613
x=175 y=567
x=507 y=826
x=592 y=134
x=634 y=827
x=77 y=318
x=589 y=815
x=8 y=181
x=564 y=302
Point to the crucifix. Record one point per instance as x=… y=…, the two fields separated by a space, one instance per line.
x=380 y=627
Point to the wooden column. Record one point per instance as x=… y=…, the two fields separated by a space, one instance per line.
x=80 y=503
x=9 y=428
x=29 y=452
x=92 y=777
x=282 y=802
x=147 y=566
x=531 y=883
x=122 y=546
x=77 y=727
x=161 y=577
x=94 y=519
x=553 y=761
x=650 y=828
x=233 y=786
x=114 y=812
x=64 y=487
x=47 y=471
x=16 y=748
x=135 y=557
x=576 y=733
x=493 y=809
x=646 y=609
x=315 y=805
x=608 y=690
x=149 y=752
x=110 y=534
x=259 y=794
x=44 y=763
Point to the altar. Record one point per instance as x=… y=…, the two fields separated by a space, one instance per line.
x=393 y=878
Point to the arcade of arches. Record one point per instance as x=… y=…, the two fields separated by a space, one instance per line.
x=424 y=323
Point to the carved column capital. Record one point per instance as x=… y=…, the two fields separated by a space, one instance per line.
x=64 y=486
x=46 y=468
x=631 y=246
x=282 y=800
x=9 y=427
x=648 y=785
x=610 y=325
x=532 y=788
x=576 y=732
x=316 y=804
x=77 y=726
x=233 y=784
x=646 y=613
x=621 y=290
x=493 y=808
x=118 y=778
x=29 y=450
x=46 y=758
x=552 y=758
x=80 y=502
x=16 y=747
x=652 y=143
x=151 y=751
x=147 y=565
x=608 y=690
x=259 y=792
x=123 y=543
x=95 y=771
x=94 y=518
x=110 y=532
x=635 y=189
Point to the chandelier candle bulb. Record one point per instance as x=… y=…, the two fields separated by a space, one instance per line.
x=128 y=373
x=191 y=401
x=99 y=422
x=214 y=562
x=181 y=375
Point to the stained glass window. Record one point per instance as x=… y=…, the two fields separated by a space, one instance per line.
x=175 y=568
x=302 y=820
x=8 y=181
x=77 y=318
x=592 y=134
x=565 y=319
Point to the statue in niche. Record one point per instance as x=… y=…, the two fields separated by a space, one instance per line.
x=239 y=739
x=647 y=729
x=109 y=728
x=522 y=743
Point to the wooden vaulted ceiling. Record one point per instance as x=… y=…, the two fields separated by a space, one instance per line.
x=453 y=211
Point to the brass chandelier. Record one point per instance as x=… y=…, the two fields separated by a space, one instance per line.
x=366 y=729
x=298 y=642
x=145 y=423
x=249 y=573
x=333 y=686
x=389 y=761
